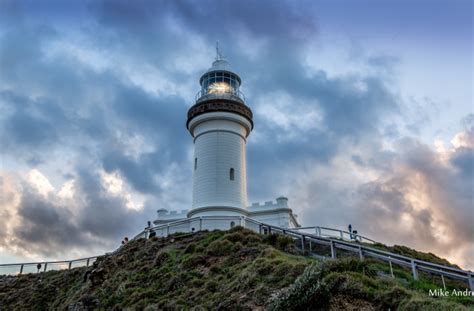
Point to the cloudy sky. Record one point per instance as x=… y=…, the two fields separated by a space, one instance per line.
x=363 y=115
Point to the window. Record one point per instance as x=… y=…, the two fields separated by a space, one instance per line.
x=195 y=163
x=231 y=174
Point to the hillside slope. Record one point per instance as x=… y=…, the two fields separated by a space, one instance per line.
x=236 y=269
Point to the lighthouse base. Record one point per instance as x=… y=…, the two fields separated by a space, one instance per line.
x=223 y=218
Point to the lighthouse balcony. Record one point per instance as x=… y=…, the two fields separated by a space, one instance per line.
x=206 y=94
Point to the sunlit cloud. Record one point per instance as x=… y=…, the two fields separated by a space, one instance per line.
x=351 y=126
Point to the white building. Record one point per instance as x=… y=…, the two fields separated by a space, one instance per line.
x=220 y=123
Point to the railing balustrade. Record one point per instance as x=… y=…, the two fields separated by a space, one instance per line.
x=320 y=236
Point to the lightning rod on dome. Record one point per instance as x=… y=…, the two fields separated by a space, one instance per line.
x=218 y=53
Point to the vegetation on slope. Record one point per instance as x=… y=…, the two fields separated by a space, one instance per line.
x=409 y=252
x=236 y=269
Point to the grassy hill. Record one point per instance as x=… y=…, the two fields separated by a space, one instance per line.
x=236 y=269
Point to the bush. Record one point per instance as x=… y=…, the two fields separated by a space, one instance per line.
x=310 y=292
x=284 y=242
x=235 y=236
x=345 y=283
x=220 y=248
x=237 y=247
x=197 y=282
x=392 y=298
x=252 y=239
x=161 y=258
x=270 y=239
x=212 y=286
x=306 y=293
x=280 y=241
x=193 y=261
x=416 y=304
x=191 y=248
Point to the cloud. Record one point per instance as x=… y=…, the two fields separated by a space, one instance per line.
x=423 y=198
x=107 y=95
x=51 y=225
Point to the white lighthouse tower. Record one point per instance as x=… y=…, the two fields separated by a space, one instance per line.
x=219 y=123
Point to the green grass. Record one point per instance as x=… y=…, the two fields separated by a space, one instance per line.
x=235 y=269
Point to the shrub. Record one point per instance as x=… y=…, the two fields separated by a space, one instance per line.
x=306 y=293
x=215 y=269
x=345 y=283
x=235 y=236
x=191 y=248
x=197 y=282
x=279 y=241
x=174 y=283
x=212 y=286
x=270 y=239
x=194 y=261
x=392 y=298
x=282 y=269
x=416 y=304
x=220 y=248
x=310 y=292
x=161 y=258
x=237 y=247
x=252 y=239
x=284 y=242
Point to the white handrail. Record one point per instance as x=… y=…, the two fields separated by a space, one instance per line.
x=355 y=236
x=361 y=250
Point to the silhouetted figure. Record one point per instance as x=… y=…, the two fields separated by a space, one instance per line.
x=354 y=234
x=38 y=266
x=152 y=233
x=350 y=230
x=123 y=242
x=126 y=240
x=148 y=230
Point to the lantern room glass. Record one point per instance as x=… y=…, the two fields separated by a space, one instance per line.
x=219 y=82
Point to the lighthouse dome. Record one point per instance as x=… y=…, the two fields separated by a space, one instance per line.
x=220 y=64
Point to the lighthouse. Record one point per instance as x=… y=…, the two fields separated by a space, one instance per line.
x=220 y=123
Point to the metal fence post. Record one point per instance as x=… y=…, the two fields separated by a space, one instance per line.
x=310 y=249
x=260 y=229
x=45 y=266
x=471 y=282
x=444 y=284
x=69 y=266
x=302 y=243
x=361 y=255
x=21 y=269
x=168 y=230
x=333 y=250
x=342 y=234
x=200 y=223
x=319 y=231
x=391 y=268
x=413 y=270
x=87 y=262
